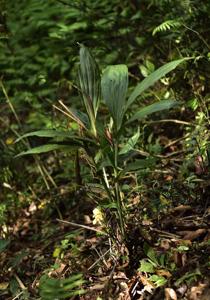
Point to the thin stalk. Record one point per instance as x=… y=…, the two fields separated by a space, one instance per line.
x=119 y=209
x=10 y=103
x=105 y=178
x=47 y=174
x=117 y=191
x=112 y=197
x=107 y=189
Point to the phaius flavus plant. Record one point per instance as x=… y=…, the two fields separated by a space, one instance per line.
x=101 y=143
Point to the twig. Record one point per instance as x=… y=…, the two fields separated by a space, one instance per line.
x=198 y=34
x=81 y=226
x=167 y=234
x=100 y=258
x=133 y=76
x=176 y=141
x=172 y=121
x=68 y=114
x=48 y=175
x=171 y=154
x=22 y=286
x=17 y=296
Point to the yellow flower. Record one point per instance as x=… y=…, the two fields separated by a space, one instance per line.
x=9 y=141
x=97 y=216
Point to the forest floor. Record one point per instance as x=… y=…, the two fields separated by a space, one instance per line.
x=166 y=256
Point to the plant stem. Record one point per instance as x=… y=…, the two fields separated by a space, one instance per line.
x=117 y=191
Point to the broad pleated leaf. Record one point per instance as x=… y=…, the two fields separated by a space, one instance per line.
x=47 y=148
x=114 y=86
x=155 y=107
x=89 y=76
x=152 y=78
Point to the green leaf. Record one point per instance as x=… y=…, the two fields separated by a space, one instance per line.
x=151 y=254
x=3 y=244
x=152 y=78
x=188 y=277
x=147 y=69
x=182 y=248
x=155 y=107
x=47 y=148
x=150 y=66
x=130 y=143
x=18 y=258
x=193 y=104
x=89 y=78
x=144 y=71
x=162 y=260
x=146 y=267
x=139 y=164
x=53 y=134
x=158 y=280
x=52 y=288
x=76 y=26
x=114 y=86
x=45 y=133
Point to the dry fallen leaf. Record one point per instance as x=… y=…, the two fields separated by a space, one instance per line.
x=124 y=295
x=170 y=294
x=32 y=208
x=197 y=291
x=87 y=220
x=163 y=272
x=165 y=244
x=182 y=208
x=192 y=235
x=207 y=237
x=184 y=259
x=168 y=178
x=183 y=242
x=146 y=282
x=97 y=286
x=182 y=289
x=4 y=285
x=180 y=259
x=120 y=276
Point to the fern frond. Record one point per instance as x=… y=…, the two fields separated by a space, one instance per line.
x=186 y=4
x=167 y=25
